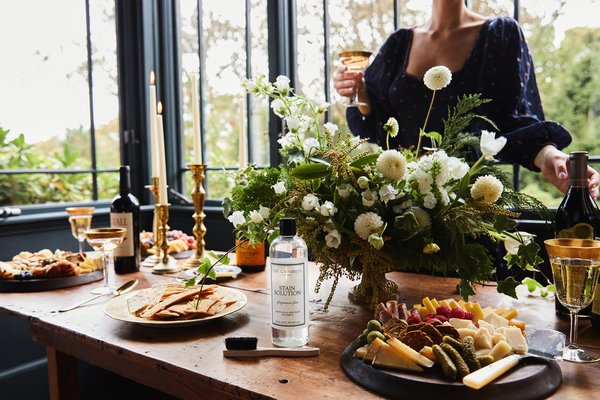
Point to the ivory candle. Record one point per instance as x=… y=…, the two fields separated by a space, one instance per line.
x=196 y=121
x=162 y=166
x=243 y=144
x=153 y=131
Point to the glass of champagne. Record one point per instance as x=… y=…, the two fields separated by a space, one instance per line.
x=575 y=268
x=104 y=241
x=356 y=61
x=80 y=219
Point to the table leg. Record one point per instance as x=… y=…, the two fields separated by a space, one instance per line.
x=62 y=375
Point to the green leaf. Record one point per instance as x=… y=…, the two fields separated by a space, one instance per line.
x=319 y=161
x=435 y=136
x=465 y=289
x=503 y=223
x=366 y=160
x=227 y=206
x=310 y=171
x=551 y=288
x=531 y=284
x=508 y=287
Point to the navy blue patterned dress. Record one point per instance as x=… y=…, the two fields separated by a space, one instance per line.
x=499 y=67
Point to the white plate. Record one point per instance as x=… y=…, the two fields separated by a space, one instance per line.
x=117 y=309
x=222 y=271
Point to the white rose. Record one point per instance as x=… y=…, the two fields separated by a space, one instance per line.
x=333 y=239
x=368 y=198
x=328 y=209
x=310 y=202
x=237 y=218
x=279 y=187
x=256 y=217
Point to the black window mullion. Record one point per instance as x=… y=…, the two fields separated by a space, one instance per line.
x=248 y=98
x=327 y=67
x=91 y=100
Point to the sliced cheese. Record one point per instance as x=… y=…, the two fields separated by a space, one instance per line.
x=409 y=353
x=427 y=351
x=453 y=304
x=485 y=375
x=428 y=305
x=516 y=340
x=464 y=332
x=487 y=310
x=361 y=351
x=496 y=320
x=486 y=325
x=501 y=350
x=483 y=339
x=497 y=337
x=375 y=345
x=435 y=304
x=444 y=303
x=510 y=313
x=477 y=312
x=389 y=358
x=460 y=323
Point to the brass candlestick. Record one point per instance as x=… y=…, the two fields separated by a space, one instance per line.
x=152 y=260
x=198 y=196
x=166 y=263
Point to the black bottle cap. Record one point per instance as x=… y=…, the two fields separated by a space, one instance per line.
x=287 y=226
x=578 y=161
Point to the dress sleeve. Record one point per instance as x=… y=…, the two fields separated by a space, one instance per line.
x=516 y=100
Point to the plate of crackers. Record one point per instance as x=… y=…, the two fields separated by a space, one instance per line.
x=174 y=305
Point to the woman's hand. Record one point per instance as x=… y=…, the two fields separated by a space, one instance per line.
x=348 y=83
x=554 y=165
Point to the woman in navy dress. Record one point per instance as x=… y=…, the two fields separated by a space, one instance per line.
x=487 y=56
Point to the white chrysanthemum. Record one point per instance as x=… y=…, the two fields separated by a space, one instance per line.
x=264 y=211
x=256 y=217
x=309 y=144
x=490 y=145
x=366 y=224
x=391 y=127
x=437 y=78
x=331 y=128
x=282 y=83
x=345 y=190
x=333 y=239
x=387 y=193
x=279 y=187
x=512 y=245
x=278 y=107
x=422 y=217
x=429 y=201
x=392 y=164
x=368 y=198
x=310 y=202
x=487 y=188
x=363 y=182
x=328 y=209
x=237 y=218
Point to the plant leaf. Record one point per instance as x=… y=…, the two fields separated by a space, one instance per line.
x=310 y=171
x=366 y=160
x=508 y=287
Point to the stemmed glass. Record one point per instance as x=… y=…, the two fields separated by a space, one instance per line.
x=105 y=240
x=356 y=61
x=80 y=219
x=575 y=268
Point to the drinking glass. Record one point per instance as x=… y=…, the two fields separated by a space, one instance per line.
x=80 y=219
x=356 y=61
x=104 y=241
x=575 y=267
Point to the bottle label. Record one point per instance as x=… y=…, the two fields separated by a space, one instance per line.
x=124 y=220
x=596 y=301
x=288 y=293
x=581 y=230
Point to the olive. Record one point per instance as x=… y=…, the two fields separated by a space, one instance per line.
x=374 y=325
x=373 y=335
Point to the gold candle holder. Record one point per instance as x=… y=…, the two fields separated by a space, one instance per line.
x=198 y=196
x=152 y=260
x=166 y=264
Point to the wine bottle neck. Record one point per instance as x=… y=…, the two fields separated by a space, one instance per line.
x=124 y=180
x=578 y=168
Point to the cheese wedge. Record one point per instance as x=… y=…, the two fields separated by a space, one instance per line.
x=466 y=332
x=483 y=339
x=387 y=357
x=361 y=351
x=485 y=375
x=516 y=340
x=459 y=323
x=375 y=345
x=428 y=305
x=435 y=304
x=427 y=351
x=510 y=313
x=477 y=312
x=501 y=350
x=444 y=303
x=409 y=353
x=496 y=320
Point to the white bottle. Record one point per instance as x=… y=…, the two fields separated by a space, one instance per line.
x=289 y=287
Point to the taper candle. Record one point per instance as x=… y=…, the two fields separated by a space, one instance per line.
x=162 y=165
x=196 y=121
x=153 y=132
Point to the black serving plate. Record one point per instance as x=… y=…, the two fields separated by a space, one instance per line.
x=39 y=285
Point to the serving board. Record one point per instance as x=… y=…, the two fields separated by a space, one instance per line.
x=39 y=285
x=533 y=378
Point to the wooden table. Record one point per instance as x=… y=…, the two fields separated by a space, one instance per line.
x=188 y=362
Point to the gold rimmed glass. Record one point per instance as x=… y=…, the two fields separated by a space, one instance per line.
x=575 y=268
x=355 y=61
x=105 y=240
x=80 y=219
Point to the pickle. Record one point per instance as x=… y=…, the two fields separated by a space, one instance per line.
x=446 y=363
x=462 y=369
x=485 y=360
x=469 y=354
x=454 y=343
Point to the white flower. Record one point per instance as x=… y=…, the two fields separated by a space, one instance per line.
x=310 y=202
x=282 y=83
x=367 y=224
x=431 y=248
x=329 y=226
x=345 y=190
x=391 y=127
x=287 y=140
x=437 y=78
x=333 y=239
x=490 y=146
x=392 y=164
x=422 y=217
x=322 y=107
x=387 y=193
x=487 y=188
x=328 y=209
x=256 y=217
x=264 y=211
x=237 y=218
x=368 y=198
x=429 y=201
x=512 y=245
x=249 y=85
x=331 y=128
x=309 y=144
x=293 y=123
x=279 y=187
x=376 y=241
x=457 y=168
x=398 y=208
x=278 y=107
x=363 y=182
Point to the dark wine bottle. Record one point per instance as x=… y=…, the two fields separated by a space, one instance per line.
x=578 y=215
x=125 y=213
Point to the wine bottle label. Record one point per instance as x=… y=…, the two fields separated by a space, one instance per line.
x=288 y=293
x=124 y=220
x=577 y=231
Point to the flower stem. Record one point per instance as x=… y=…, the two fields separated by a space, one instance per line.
x=425 y=123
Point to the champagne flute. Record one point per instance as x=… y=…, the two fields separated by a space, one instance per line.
x=575 y=268
x=105 y=240
x=356 y=61
x=80 y=219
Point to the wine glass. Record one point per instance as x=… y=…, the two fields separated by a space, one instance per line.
x=356 y=61
x=575 y=267
x=105 y=240
x=80 y=219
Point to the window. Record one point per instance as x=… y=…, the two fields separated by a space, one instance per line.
x=59 y=117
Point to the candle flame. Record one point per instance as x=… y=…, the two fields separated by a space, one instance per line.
x=159 y=107
x=152 y=77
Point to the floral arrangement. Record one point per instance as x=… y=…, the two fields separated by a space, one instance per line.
x=365 y=211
